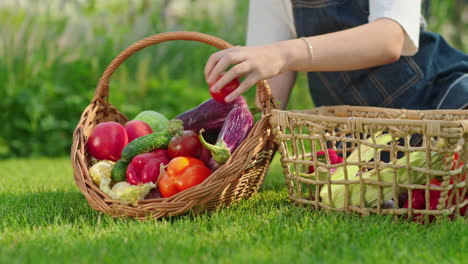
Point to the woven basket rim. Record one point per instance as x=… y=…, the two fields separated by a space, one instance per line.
x=412 y=119
x=342 y=108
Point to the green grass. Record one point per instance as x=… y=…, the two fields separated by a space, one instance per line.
x=45 y=219
x=51 y=61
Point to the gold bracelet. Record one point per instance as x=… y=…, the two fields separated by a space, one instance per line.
x=309 y=48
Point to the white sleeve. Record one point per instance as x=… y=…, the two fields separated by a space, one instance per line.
x=405 y=12
x=269 y=21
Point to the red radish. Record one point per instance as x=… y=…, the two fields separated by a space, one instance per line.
x=136 y=129
x=334 y=158
x=107 y=141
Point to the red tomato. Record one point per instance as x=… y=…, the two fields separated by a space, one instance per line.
x=220 y=95
x=107 y=141
x=136 y=129
x=186 y=145
x=181 y=174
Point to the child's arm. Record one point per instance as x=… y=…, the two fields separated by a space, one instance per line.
x=373 y=44
x=271 y=21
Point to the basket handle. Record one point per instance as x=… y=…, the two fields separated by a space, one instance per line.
x=102 y=89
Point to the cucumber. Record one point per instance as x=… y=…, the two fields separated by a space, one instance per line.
x=118 y=173
x=140 y=145
x=145 y=144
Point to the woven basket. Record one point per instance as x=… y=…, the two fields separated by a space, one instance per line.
x=301 y=134
x=239 y=178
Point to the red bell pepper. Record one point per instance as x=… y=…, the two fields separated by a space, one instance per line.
x=146 y=167
x=434 y=195
x=418 y=200
x=437 y=181
x=182 y=173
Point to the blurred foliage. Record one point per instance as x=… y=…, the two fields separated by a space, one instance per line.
x=53 y=52
x=449 y=18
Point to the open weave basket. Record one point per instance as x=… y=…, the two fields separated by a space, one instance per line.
x=239 y=178
x=301 y=134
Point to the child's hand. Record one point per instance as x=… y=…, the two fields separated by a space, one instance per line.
x=253 y=63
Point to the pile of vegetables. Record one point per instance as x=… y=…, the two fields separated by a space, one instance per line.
x=334 y=195
x=153 y=157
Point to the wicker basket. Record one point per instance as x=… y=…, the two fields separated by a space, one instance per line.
x=390 y=170
x=239 y=178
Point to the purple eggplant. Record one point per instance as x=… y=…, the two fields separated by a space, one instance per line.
x=236 y=127
x=209 y=115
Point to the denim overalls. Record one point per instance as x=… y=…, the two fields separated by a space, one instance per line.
x=436 y=77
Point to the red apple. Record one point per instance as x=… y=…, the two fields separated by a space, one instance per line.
x=107 y=141
x=136 y=129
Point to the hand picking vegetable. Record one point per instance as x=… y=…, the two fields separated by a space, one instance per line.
x=234 y=130
x=146 y=167
x=107 y=141
x=222 y=93
x=209 y=115
x=182 y=173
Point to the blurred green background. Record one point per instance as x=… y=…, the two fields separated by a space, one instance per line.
x=52 y=53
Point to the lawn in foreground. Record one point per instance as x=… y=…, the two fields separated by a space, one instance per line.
x=44 y=219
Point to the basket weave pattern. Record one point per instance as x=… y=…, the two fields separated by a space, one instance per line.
x=239 y=178
x=301 y=134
